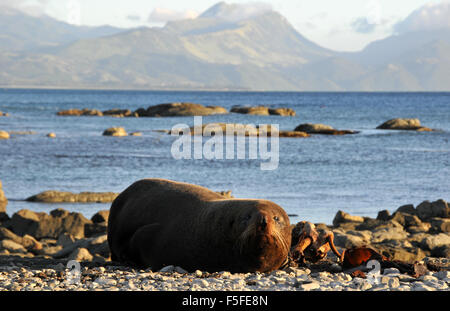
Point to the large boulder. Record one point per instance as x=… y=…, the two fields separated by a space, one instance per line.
x=405 y=254
x=321 y=129
x=27 y=241
x=69 y=197
x=115 y=131
x=81 y=255
x=343 y=217
x=350 y=239
x=42 y=225
x=12 y=247
x=25 y=222
x=3 y=200
x=102 y=216
x=440 y=224
x=427 y=210
x=432 y=241
x=403 y=124
x=4 y=135
x=179 y=110
x=386 y=234
x=407 y=209
x=406 y=220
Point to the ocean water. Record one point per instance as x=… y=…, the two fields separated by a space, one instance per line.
x=317 y=176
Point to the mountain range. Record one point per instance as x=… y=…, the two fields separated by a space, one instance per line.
x=262 y=52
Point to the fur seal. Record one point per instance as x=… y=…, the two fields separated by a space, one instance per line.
x=157 y=222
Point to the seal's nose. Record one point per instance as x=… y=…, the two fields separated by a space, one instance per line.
x=263 y=222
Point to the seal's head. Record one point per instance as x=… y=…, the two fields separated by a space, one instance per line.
x=264 y=236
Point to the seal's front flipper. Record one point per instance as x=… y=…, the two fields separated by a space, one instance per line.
x=141 y=243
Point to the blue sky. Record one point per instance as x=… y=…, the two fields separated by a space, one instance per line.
x=345 y=25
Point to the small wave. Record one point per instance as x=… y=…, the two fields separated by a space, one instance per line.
x=419 y=150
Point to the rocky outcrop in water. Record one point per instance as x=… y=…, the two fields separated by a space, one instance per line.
x=283 y=112
x=116 y=132
x=264 y=111
x=52 y=196
x=180 y=110
x=4 y=114
x=4 y=135
x=238 y=129
x=404 y=124
x=83 y=112
x=322 y=129
x=118 y=113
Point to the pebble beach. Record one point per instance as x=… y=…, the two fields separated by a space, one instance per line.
x=18 y=276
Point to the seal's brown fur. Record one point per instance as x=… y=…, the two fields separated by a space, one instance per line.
x=159 y=222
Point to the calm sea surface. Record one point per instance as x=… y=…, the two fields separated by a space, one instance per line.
x=316 y=177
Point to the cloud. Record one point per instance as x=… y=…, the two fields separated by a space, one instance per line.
x=162 y=15
x=31 y=7
x=429 y=17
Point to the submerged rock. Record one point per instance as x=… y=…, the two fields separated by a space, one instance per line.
x=403 y=124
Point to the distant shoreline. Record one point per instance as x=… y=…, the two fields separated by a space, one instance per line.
x=206 y=90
